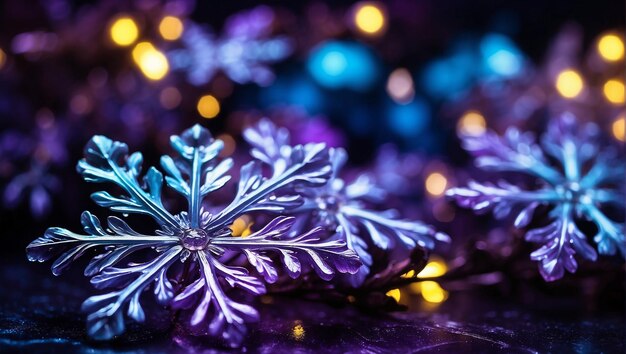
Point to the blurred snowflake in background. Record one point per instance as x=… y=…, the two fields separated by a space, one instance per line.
x=577 y=179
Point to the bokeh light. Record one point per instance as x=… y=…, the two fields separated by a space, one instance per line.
x=170 y=97
x=298 y=331
x=614 y=91
x=409 y=120
x=337 y=64
x=241 y=227
x=124 y=31
x=369 y=18
x=208 y=106
x=471 y=123
x=394 y=293
x=569 y=83
x=447 y=77
x=229 y=145
x=436 y=267
x=171 y=28
x=152 y=62
x=619 y=128
x=3 y=58
x=400 y=86
x=501 y=56
x=433 y=292
x=611 y=47
x=436 y=184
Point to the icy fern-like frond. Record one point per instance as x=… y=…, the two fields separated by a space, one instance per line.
x=576 y=178
x=188 y=268
x=339 y=206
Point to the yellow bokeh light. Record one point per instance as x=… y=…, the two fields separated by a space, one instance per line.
x=436 y=184
x=400 y=86
x=409 y=274
x=611 y=47
x=241 y=226
x=124 y=31
x=208 y=106
x=434 y=268
x=152 y=63
x=369 y=18
x=619 y=128
x=433 y=292
x=171 y=28
x=614 y=91
x=471 y=123
x=569 y=83
x=394 y=293
x=3 y=58
x=298 y=331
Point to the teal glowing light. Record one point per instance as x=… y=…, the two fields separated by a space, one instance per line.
x=501 y=56
x=334 y=63
x=338 y=64
x=409 y=120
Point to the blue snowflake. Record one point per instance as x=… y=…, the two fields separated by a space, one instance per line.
x=576 y=179
x=191 y=250
x=341 y=206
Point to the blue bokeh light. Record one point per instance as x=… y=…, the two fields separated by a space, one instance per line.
x=448 y=76
x=500 y=56
x=339 y=64
x=408 y=120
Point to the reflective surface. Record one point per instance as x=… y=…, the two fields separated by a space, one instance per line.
x=40 y=313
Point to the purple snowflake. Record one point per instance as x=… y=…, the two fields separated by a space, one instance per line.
x=242 y=52
x=191 y=251
x=577 y=179
x=342 y=207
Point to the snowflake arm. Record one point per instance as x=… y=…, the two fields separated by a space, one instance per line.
x=121 y=241
x=228 y=317
x=197 y=151
x=324 y=256
x=308 y=167
x=560 y=241
x=106 y=311
x=515 y=151
x=108 y=161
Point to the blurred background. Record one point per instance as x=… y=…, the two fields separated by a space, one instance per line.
x=394 y=82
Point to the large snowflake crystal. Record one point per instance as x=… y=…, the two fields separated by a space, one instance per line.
x=576 y=179
x=191 y=250
x=342 y=207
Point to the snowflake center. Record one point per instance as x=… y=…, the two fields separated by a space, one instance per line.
x=573 y=192
x=328 y=203
x=194 y=239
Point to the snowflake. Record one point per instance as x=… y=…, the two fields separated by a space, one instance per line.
x=242 y=52
x=342 y=207
x=577 y=180
x=195 y=240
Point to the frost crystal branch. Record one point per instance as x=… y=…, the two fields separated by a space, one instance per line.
x=194 y=240
x=339 y=206
x=577 y=180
